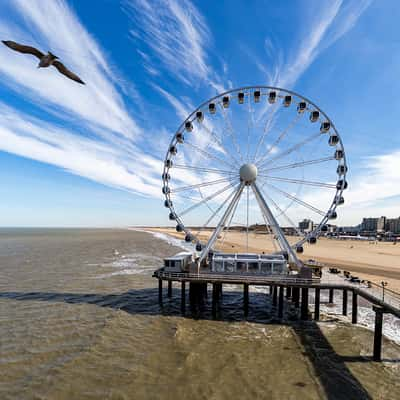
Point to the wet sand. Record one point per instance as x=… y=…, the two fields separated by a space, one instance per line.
x=375 y=262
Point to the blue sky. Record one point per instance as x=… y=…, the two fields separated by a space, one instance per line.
x=92 y=155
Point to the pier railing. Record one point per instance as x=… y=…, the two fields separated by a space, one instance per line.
x=384 y=294
x=236 y=278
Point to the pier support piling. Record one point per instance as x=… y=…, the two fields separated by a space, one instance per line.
x=280 y=303
x=331 y=296
x=160 y=291
x=304 y=304
x=288 y=292
x=296 y=296
x=274 y=296
x=169 y=288
x=354 y=308
x=344 y=304
x=377 y=355
x=317 y=303
x=246 y=299
x=214 y=299
x=183 y=296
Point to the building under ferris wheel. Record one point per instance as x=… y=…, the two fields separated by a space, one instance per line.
x=255 y=156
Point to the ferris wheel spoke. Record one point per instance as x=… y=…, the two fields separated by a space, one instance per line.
x=229 y=223
x=282 y=212
x=215 y=212
x=269 y=231
x=290 y=150
x=205 y=199
x=301 y=181
x=247 y=220
x=267 y=127
x=299 y=164
x=250 y=123
x=279 y=138
x=199 y=185
x=219 y=143
x=297 y=200
x=232 y=135
x=208 y=155
x=201 y=169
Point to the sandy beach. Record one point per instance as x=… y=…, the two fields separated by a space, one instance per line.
x=377 y=262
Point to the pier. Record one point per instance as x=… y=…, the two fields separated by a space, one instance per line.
x=294 y=290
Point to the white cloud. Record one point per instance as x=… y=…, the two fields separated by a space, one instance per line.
x=98 y=103
x=178 y=36
x=89 y=158
x=331 y=20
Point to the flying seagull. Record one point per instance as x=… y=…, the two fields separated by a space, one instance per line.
x=45 y=59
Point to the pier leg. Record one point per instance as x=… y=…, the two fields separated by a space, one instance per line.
x=280 y=304
x=220 y=290
x=304 y=304
x=377 y=356
x=270 y=289
x=330 y=296
x=354 y=312
x=344 y=305
x=214 y=299
x=317 y=303
x=183 y=296
x=160 y=291
x=193 y=295
x=296 y=296
x=246 y=299
x=288 y=292
x=169 y=288
x=274 y=296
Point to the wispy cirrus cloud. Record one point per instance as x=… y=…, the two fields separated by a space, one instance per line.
x=103 y=142
x=98 y=103
x=177 y=35
x=175 y=32
x=331 y=20
x=90 y=158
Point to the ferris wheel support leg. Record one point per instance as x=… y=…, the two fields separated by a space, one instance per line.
x=284 y=244
x=221 y=224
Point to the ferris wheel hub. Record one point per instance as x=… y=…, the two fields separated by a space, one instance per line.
x=248 y=173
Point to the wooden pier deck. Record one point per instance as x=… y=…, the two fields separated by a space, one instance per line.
x=297 y=290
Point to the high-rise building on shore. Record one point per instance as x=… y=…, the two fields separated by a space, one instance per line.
x=373 y=224
x=393 y=225
x=306 y=225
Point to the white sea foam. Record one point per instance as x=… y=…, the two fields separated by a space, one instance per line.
x=131 y=264
x=169 y=239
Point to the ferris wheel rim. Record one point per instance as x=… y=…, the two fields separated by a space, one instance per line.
x=316 y=232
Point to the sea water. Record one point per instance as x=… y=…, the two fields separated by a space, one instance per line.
x=80 y=319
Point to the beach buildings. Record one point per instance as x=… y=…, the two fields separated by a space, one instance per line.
x=306 y=225
x=393 y=225
x=373 y=224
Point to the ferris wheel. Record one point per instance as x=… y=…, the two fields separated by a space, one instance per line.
x=255 y=157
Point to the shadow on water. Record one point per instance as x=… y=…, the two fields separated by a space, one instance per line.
x=335 y=377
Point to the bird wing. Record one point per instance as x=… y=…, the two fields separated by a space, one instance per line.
x=64 y=70
x=23 y=49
